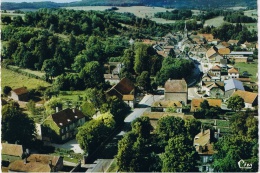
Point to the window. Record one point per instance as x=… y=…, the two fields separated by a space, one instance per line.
x=62 y=130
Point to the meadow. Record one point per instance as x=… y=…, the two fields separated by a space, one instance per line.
x=217 y=21
x=250 y=68
x=16 y=80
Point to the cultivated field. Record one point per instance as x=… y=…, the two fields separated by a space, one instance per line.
x=217 y=21
x=16 y=80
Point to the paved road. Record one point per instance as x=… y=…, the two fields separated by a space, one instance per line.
x=192 y=93
x=105 y=158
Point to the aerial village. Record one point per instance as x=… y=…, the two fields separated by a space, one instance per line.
x=211 y=95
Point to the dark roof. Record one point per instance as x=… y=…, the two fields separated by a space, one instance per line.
x=67 y=116
x=20 y=91
x=176 y=85
x=124 y=87
x=12 y=149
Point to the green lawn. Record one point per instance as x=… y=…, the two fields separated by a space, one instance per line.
x=251 y=13
x=250 y=68
x=16 y=80
x=217 y=21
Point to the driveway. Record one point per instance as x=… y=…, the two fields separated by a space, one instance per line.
x=70 y=145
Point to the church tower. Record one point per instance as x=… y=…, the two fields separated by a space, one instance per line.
x=185 y=35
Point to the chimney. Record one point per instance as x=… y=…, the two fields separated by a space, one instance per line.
x=57 y=109
x=200 y=149
x=27 y=151
x=202 y=130
x=25 y=160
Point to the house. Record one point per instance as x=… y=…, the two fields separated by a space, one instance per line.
x=62 y=125
x=195 y=103
x=157 y=47
x=11 y=152
x=111 y=78
x=240 y=54
x=19 y=94
x=231 y=85
x=161 y=106
x=224 y=51
x=214 y=89
x=124 y=90
x=204 y=147
x=223 y=63
x=233 y=42
x=155 y=116
x=37 y=163
x=248 y=46
x=198 y=50
x=238 y=59
x=216 y=70
x=176 y=90
x=233 y=73
x=212 y=55
x=244 y=80
x=210 y=77
x=223 y=45
x=250 y=98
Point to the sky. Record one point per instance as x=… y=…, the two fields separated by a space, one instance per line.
x=61 y=1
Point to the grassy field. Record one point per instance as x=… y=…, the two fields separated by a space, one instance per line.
x=217 y=21
x=139 y=11
x=16 y=80
x=251 y=26
x=250 y=12
x=12 y=15
x=250 y=68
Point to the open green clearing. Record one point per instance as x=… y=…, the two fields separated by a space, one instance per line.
x=251 y=13
x=16 y=80
x=250 y=68
x=251 y=26
x=12 y=15
x=217 y=21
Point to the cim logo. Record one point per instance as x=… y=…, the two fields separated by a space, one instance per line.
x=244 y=165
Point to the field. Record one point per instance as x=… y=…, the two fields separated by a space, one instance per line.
x=217 y=21
x=251 y=26
x=250 y=12
x=16 y=80
x=12 y=15
x=250 y=68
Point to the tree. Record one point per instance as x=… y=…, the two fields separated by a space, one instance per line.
x=92 y=75
x=236 y=103
x=17 y=126
x=31 y=107
x=232 y=149
x=172 y=54
x=244 y=124
x=168 y=127
x=142 y=127
x=52 y=104
x=179 y=156
x=193 y=127
x=144 y=81
x=93 y=133
x=88 y=109
x=6 y=19
x=6 y=90
x=51 y=68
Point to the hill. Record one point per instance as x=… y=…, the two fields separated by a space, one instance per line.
x=195 y=4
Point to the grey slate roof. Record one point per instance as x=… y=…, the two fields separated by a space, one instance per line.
x=233 y=84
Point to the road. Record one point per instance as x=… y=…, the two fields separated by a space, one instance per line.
x=192 y=93
x=105 y=158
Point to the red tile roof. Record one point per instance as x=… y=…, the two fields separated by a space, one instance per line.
x=233 y=70
x=216 y=68
x=249 y=97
